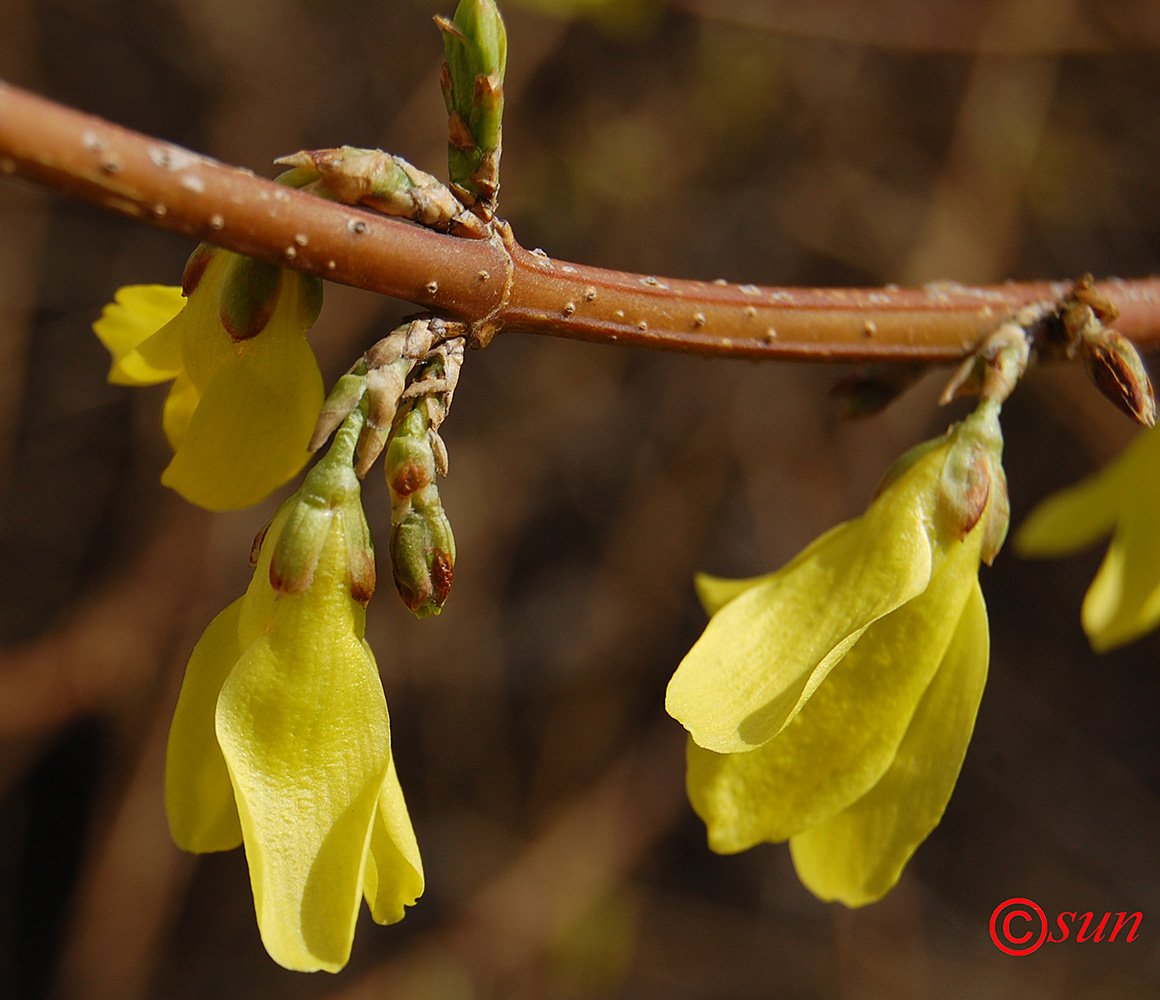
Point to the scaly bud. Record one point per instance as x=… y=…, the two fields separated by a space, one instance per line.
x=1110 y=360
x=1117 y=370
x=384 y=386
x=378 y=180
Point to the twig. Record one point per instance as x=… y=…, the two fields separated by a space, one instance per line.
x=498 y=285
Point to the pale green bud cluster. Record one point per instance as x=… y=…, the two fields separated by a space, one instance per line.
x=422 y=544
x=378 y=180
x=400 y=391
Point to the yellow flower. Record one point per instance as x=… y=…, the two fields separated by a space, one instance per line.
x=281 y=740
x=830 y=703
x=1123 y=602
x=246 y=388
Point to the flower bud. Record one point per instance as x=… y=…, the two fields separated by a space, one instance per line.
x=1117 y=370
x=475 y=47
x=410 y=461
x=423 y=556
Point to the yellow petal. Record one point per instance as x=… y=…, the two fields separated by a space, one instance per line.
x=1071 y=519
x=859 y=855
x=714 y=592
x=199 y=798
x=302 y=723
x=180 y=405
x=205 y=345
x=250 y=430
x=136 y=314
x=394 y=873
x=846 y=736
x=1123 y=602
x=765 y=652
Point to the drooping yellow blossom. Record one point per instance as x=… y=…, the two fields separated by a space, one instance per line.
x=1123 y=602
x=830 y=703
x=281 y=738
x=246 y=387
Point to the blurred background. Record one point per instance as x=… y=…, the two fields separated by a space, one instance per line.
x=770 y=141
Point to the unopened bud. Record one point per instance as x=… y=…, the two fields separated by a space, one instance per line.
x=475 y=47
x=1117 y=370
x=423 y=557
x=410 y=461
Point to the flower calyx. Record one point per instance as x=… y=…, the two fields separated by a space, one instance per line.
x=331 y=488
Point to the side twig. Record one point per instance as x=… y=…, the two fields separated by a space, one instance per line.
x=495 y=284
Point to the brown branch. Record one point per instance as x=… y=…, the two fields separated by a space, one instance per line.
x=498 y=285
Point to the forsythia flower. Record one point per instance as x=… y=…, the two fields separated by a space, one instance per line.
x=281 y=738
x=246 y=387
x=831 y=703
x=1123 y=601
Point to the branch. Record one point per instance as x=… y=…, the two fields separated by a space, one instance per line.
x=495 y=284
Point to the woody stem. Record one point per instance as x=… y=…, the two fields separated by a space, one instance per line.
x=495 y=284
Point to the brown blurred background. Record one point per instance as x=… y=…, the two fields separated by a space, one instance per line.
x=797 y=142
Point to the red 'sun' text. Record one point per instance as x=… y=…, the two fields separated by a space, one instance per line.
x=1019 y=927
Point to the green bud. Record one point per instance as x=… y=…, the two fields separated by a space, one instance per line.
x=249 y=295
x=423 y=557
x=475 y=47
x=410 y=461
